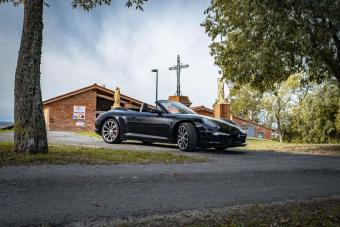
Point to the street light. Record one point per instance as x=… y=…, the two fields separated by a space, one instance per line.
x=156 y=71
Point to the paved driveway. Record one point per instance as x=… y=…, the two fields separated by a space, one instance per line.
x=62 y=194
x=71 y=138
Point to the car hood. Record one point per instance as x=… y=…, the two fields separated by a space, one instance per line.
x=223 y=126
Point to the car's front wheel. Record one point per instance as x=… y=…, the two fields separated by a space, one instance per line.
x=110 y=131
x=187 y=137
x=220 y=148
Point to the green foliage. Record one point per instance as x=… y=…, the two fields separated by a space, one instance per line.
x=245 y=102
x=14 y=2
x=308 y=113
x=87 y=4
x=279 y=102
x=263 y=42
x=90 y=4
x=337 y=121
x=317 y=115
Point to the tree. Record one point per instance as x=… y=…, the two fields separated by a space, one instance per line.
x=319 y=115
x=245 y=102
x=30 y=132
x=279 y=102
x=306 y=113
x=276 y=105
x=263 y=42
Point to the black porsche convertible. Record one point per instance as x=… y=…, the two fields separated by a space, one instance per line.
x=169 y=122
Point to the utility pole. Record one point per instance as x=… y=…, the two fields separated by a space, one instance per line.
x=156 y=71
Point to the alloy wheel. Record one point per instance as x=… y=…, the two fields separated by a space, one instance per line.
x=182 y=137
x=110 y=131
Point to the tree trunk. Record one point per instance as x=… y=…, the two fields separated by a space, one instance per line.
x=278 y=117
x=30 y=131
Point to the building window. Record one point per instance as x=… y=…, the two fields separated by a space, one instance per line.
x=260 y=135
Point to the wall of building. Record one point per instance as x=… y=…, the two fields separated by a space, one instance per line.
x=59 y=114
x=253 y=129
x=222 y=111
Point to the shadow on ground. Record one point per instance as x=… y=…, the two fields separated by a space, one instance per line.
x=174 y=146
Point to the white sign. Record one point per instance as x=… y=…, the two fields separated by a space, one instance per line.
x=80 y=124
x=79 y=112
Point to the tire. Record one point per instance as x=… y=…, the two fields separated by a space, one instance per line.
x=220 y=148
x=187 y=137
x=112 y=136
x=147 y=142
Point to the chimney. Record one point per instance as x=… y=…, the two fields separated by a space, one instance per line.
x=222 y=110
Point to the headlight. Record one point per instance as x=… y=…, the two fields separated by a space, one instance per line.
x=210 y=124
x=242 y=131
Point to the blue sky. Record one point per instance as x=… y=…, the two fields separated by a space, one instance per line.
x=114 y=46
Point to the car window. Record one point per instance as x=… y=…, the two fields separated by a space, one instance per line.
x=175 y=107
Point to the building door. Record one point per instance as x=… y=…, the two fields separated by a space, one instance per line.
x=251 y=132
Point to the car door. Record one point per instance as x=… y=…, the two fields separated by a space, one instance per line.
x=150 y=125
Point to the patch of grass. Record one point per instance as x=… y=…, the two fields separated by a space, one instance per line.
x=61 y=154
x=313 y=213
x=89 y=134
x=6 y=130
x=269 y=145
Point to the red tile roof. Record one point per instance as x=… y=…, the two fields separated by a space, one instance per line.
x=196 y=108
x=88 y=88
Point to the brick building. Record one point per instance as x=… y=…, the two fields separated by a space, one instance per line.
x=252 y=128
x=202 y=110
x=61 y=111
x=77 y=111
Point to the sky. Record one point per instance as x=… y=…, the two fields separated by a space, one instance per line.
x=114 y=46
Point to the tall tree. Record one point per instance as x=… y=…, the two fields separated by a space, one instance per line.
x=263 y=42
x=245 y=102
x=318 y=115
x=30 y=132
x=278 y=103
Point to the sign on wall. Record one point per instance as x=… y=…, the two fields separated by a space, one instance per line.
x=80 y=124
x=79 y=112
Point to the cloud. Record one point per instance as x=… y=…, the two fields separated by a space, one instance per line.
x=121 y=48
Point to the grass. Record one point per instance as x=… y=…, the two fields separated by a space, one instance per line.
x=6 y=130
x=313 y=213
x=61 y=154
x=269 y=145
x=89 y=134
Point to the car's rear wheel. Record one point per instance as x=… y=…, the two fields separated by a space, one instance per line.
x=187 y=137
x=110 y=131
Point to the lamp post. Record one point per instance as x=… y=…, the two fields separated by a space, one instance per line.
x=156 y=71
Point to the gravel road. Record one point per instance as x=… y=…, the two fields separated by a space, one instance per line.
x=79 y=193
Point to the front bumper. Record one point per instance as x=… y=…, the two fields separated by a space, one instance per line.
x=98 y=127
x=215 y=139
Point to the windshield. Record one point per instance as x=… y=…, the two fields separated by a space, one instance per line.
x=175 y=107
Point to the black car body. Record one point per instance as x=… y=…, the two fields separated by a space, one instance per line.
x=170 y=122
